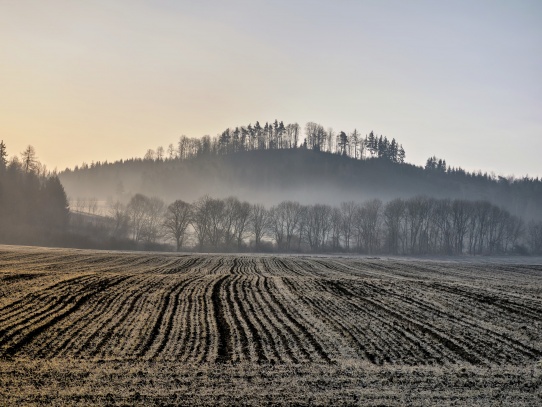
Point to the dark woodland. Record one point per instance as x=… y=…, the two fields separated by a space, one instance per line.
x=33 y=205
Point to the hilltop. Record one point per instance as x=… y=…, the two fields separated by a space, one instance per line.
x=305 y=175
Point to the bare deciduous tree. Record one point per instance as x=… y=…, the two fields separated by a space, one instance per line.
x=259 y=223
x=150 y=155
x=242 y=218
x=121 y=220
x=368 y=225
x=348 y=212
x=284 y=221
x=160 y=153
x=393 y=218
x=318 y=225
x=171 y=151
x=176 y=221
x=145 y=218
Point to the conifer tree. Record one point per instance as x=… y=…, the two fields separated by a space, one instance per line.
x=3 y=155
x=393 y=151
x=371 y=143
x=342 y=142
x=401 y=154
x=30 y=161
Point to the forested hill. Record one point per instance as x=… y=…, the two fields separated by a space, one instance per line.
x=309 y=176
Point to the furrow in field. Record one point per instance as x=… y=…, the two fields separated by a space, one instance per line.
x=304 y=267
x=205 y=341
x=140 y=327
x=107 y=323
x=181 y=265
x=22 y=305
x=186 y=334
x=284 y=336
x=294 y=328
x=263 y=335
x=284 y=267
x=164 y=264
x=395 y=342
x=497 y=341
x=67 y=336
x=461 y=348
x=485 y=299
x=196 y=341
x=7 y=278
x=380 y=338
x=174 y=312
x=271 y=341
x=496 y=344
x=289 y=340
x=366 y=337
x=243 y=341
x=293 y=305
x=117 y=336
x=21 y=339
x=177 y=324
x=161 y=309
x=238 y=336
x=218 y=267
x=251 y=345
x=223 y=330
x=253 y=350
x=38 y=306
x=100 y=335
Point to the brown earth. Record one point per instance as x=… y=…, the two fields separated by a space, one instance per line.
x=88 y=327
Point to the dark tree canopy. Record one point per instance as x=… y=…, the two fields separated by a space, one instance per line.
x=33 y=207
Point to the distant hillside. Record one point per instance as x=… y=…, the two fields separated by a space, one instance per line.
x=304 y=175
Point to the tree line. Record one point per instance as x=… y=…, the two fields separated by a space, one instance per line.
x=276 y=135
x=416 y=226
x=33 y=204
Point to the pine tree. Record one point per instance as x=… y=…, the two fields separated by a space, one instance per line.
x=259 y=137
x=281 y=130
x=54 y=205
x=236 y=139
x=372 y=144
x=401 y=154
x=431 y=163
x=251 y=137
x=393 y=152
x=380 y=147
x=354 y=143
x=342 y=142
x=267 y=138
x=30 y=161
x=244 y=137
x=386 y=148
x=224 y=141
x=3 y=155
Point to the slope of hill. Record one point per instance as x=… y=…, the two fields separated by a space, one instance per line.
x=307 y=176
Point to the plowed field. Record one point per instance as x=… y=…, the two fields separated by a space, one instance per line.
x=84 y=327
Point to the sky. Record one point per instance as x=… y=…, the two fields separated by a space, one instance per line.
x=105 y=80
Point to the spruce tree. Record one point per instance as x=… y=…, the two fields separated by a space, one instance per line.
x=3 y=155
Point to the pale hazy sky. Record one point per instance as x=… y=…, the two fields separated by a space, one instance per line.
x=96 y=80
